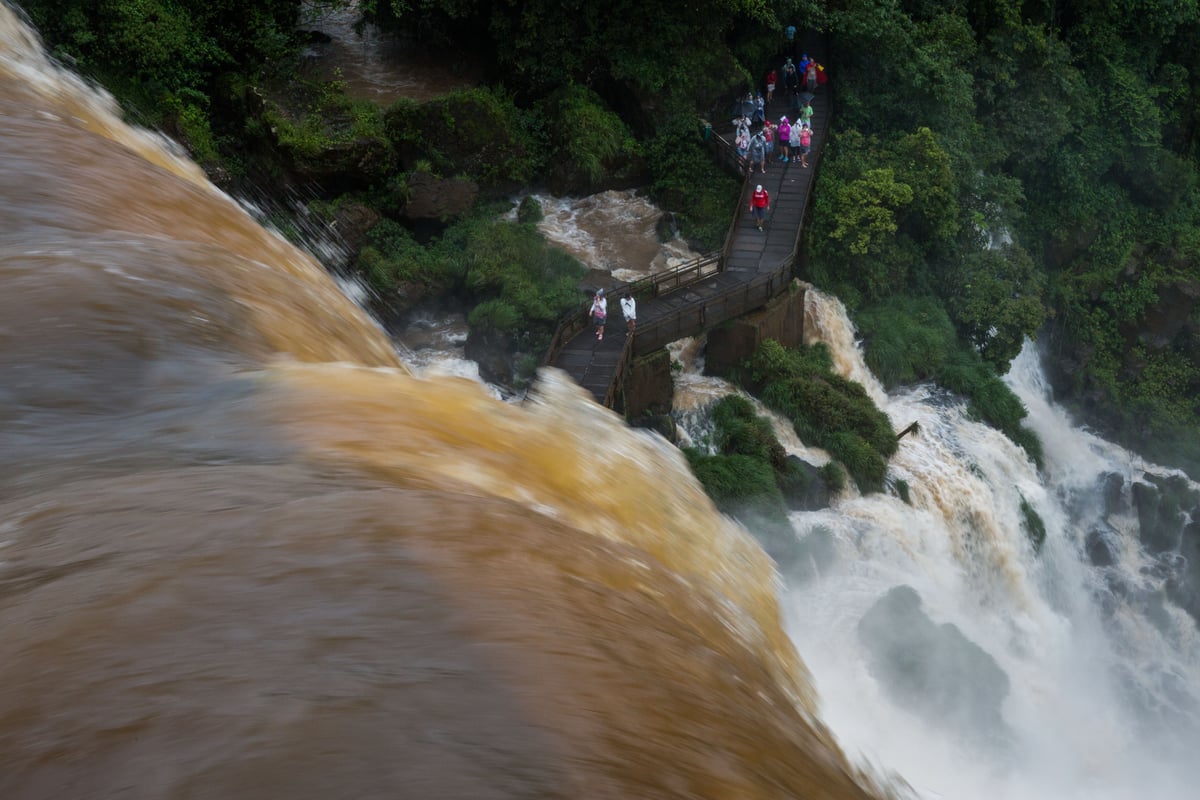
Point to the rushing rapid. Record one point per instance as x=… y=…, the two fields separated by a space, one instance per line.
x=1101 y=689
x=245 y=553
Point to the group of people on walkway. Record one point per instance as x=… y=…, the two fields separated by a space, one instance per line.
x=807 y=75
x=599 y=313
x=794 y=140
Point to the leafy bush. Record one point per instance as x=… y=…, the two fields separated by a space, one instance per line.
x=587 y=136
x=739 y=431
x=479 y=132
x=495 y=315
x=826 y=410
x=688 y=182
x=392 y=257
x=744 y=488
x=907 y=339
x=530 y=210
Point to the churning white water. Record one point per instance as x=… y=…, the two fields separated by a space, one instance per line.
x=1099 y=694
x=612 y=231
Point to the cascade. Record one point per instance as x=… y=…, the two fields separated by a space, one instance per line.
x=1090 y=675
x=246 y=552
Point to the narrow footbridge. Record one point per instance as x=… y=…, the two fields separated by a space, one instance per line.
x=752 y=268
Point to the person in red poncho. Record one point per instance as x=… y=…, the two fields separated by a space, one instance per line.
x=760 y=204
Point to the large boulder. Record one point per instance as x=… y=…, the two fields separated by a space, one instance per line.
x=934 y=670
x=319 y=139
x=802 y=485
x=434 y=198
x=1163 y=505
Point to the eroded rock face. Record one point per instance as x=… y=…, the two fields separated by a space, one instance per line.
x=431 y=197
x=934 y=670
x=805 y=490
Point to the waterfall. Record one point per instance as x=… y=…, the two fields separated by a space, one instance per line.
x=245 y=551
x=1103 y=697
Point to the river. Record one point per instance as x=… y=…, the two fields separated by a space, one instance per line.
x=251 y=547
x=245 y=552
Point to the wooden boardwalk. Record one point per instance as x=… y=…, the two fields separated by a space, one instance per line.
x=754 y=267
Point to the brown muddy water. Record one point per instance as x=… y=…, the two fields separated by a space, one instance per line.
x=244 y=553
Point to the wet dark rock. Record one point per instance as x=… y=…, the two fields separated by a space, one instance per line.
x=1159 y=518
x=336 y=161
x=662 y=424
x=667 y=227
x=1171 y=321
x=352 y=220
x=934 y=670
x=431 y=197
x=1183 y=588
x=802 y=486
x=1112 y=488
x=815 y=554
x=494 y=353
x=1101 y=546
x=314 y=37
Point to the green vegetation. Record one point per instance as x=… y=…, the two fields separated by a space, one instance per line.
x=1033 y=526
x=1027 y=169
x=826 y=410
x=995 y=172
x=480 y=133
x=519 y=286
x=169 y=61
x=687 y=179
x=749 y=477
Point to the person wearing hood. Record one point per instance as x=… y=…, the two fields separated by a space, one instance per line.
x=758 y=152
x=629 y=309
x=760 y=204
x=599 y=313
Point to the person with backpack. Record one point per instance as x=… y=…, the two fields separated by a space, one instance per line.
x=760 y=204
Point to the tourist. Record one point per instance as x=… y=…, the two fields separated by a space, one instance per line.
x=794 y=140
x=810 y=76
x=806 y=114
x=768 y=133
x=599 y=312
x=760 y=204
x=791 y=79
x=785 y=135
x=629 y=309
x=805 y=144
x=771 y=78
x=758 y=153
